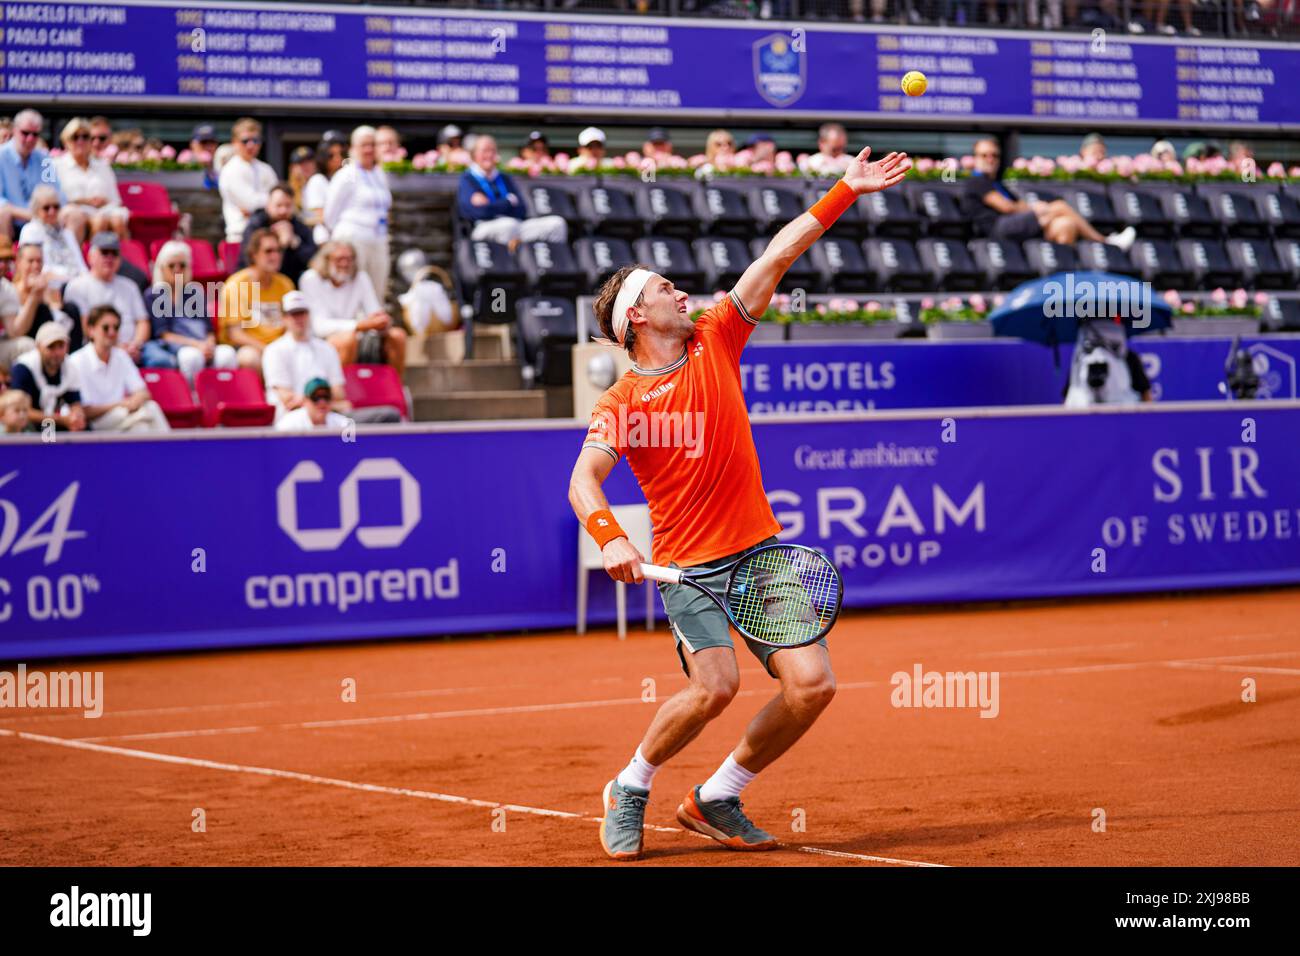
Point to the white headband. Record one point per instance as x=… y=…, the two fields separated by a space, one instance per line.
x=628 y=293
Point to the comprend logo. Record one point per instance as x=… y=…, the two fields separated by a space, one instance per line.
x=780 y=70
x=370 y=536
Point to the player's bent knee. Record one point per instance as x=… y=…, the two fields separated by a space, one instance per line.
x=712 y=698
x=811 y=696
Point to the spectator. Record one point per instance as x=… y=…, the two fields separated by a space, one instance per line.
x=44 y=374
x=657 y=146
x=997 y=213
x=103 y=286
x=203 y=149
x=830 y=158
x=1154 y=12
x=762 y=149
x=719 y=148
x=1240 y=156
x=6 y=129
x=329 y=160
x=181 y=317
x=344 y=306
x=302 y=167
x=33 y=300
x=449 y=141
x=295 y=237
x=357 y=207
x=591 y=147
x=1093 y=149
x=537 y=148
x=24 y=166
x=299 y=357
x=113 y=394
x=315 y=412
x=89 y=182
x=251 y=314
x=17 y=319
x=61 y=250
x=15 y=412
x=1164 y=151
x=488 y=198
x=101 y=137
x=388 y=145
x=245 y=180
x=426 y=305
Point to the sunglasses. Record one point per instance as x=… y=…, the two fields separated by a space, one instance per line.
x=108 y=327
x=108 y=252
x=252 y=141
x=48 y=206
x=79 y=137
x=100 y=138
x=33 y=133
x=321 y=397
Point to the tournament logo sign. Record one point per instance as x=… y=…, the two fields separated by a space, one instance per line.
x=780 y=71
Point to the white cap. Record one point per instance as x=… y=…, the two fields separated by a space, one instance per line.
x=294 y=301
x=591 y=135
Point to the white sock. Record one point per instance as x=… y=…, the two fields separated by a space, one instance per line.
x=728 y=781
x=639 y=773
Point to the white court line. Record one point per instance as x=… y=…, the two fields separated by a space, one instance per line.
x=1234 y=668
x=395 y=791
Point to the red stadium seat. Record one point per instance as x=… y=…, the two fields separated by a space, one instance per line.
x=232 y=397
x=205 y=266
x=172 y=393
x=132 y=251
x=371 y=385
x=152 y=216
x=229 y=252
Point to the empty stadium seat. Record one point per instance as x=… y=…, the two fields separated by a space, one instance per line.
x=840 y=264
x=851 y=223
x=1207 y=262
x=1190 y=214
x=886 y=213
x=802 y=274
x=894 y=266
x=724 y=212
x=1280 y=210
x=204 y=266
x=609 y=211
x=152 y=216
x=936 y=206
x=723 y=259
x=600 y=257
x=1236 y=211
x=551 y=268
x=369 y=386
x=1093 y=205
x=1001 y=262
x=1281 y=315
x=169 y=389
x=671 y=257
x=666 y=211
x=229 y=252
x=1257 y=264
x=771 y=207
x=490 y=278
x=1288 y=257
x=1141 y=209
x=232 y=397
x=1156 y=261
x=949 y=264
x=1045 y=257
x=547 y=330
x=1032 y=191
x=547 y=200
x=1103 y=257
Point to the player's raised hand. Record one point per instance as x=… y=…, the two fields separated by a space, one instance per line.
x=867 y=177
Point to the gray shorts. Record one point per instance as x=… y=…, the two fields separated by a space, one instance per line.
x=698 y=623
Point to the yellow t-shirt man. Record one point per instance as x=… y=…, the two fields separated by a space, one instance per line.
x=254 y=307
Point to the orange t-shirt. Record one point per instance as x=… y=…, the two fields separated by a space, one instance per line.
x=685 y=432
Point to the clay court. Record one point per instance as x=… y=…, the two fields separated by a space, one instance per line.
x=1133 y=706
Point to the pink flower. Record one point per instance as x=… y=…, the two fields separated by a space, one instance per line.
x=518 y=163
x=1240 y=299
x=1189 y=308
x=1173 y=298
x=168 y=152
x=1145 y=163
x=632 y=158
x=1216 y=165
x=1124 y=166
x=1193 y=164
x=924 y=164
x=784 y=163
x=1261 y=298
x=718 y=295
x=1020 y=163
x=821 y=308
x=998 y=300
x=1071 y=164
x=952 y=302
x=1219 y=295
x=927 y=303
x=873 y=306
x=1295 y=172
x=763 y=167
x=534 y=169
x=619 y=162
x=1276 y=170
x=562 y=159
x=851 y=305
x=979 y=303
x=783 y=302
x=1106 y=166
x=698 y=160
x=1173 y=166
x=968 y=162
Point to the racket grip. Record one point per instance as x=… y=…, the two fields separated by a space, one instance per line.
x=656 y=573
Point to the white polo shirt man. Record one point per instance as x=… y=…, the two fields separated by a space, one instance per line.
x=297 y=357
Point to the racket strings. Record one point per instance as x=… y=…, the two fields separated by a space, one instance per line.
x=784 y=595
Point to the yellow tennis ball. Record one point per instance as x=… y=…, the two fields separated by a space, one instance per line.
x=914 y=83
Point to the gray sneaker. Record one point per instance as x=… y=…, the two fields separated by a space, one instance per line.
x=724 y=821
x=621 y=831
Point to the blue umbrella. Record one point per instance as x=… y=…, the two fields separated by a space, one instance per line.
x=1049 y=310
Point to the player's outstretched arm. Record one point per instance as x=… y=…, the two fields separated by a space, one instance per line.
x=622 y=559
x=760 y=280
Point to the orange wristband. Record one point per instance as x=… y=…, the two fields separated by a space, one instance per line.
x=834 y=204
x=602 y=526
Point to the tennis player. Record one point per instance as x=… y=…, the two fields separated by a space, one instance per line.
x=679 y=417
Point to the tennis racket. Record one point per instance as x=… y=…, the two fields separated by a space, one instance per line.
x=784 y=595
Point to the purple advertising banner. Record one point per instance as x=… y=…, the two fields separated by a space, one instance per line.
x=309 y=56
x=111 y=546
